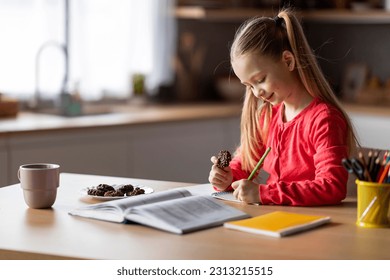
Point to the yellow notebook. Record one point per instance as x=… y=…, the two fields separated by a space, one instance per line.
x=278 y=223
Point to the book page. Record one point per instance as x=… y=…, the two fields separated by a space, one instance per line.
x=114 y=210
x=227 y=195
x=185 y=215
x=150 y=198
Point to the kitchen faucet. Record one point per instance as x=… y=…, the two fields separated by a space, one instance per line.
x=65 y=99
x=36 y=102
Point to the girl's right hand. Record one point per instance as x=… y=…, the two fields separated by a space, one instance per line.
x=220 y=178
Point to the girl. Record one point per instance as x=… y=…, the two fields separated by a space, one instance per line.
x=290 y=107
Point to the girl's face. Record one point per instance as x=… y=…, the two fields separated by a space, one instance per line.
x=273 y=81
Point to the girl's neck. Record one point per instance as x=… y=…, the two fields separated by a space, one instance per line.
x=295 y=104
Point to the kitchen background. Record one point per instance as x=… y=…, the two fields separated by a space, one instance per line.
x=58 y=56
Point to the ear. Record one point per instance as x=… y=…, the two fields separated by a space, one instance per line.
x=289 y=59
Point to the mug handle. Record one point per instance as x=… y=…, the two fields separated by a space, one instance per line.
x=18 y=174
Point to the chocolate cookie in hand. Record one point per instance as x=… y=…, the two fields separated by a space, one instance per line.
x=223 y=159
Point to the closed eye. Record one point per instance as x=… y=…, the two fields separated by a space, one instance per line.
x=261 y=80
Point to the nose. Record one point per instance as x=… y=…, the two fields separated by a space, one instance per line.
x=259 y=93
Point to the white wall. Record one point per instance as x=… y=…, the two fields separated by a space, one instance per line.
x=373 y=131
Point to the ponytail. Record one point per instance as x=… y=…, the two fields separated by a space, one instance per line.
x=310 y=72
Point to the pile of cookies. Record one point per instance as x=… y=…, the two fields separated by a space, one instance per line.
x=107 y=190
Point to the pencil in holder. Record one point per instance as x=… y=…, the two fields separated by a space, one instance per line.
x=373 y=200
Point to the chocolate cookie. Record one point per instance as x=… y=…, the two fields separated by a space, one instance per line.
x=223 y=158
x=114 y=193
x=105 y=188
x=126 y=188
x=136 y=191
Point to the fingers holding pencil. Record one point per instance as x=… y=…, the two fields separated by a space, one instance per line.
x=247 y=191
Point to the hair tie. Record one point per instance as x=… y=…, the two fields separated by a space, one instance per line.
x=278 y=21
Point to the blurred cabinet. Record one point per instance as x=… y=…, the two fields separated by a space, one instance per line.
x=90 y=151
x=181 y=151
x=172 y=151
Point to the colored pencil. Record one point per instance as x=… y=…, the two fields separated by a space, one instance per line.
x=384 y=173
x=259 y=163
x=366 y=173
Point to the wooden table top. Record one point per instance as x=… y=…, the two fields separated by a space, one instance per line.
x=54 y=234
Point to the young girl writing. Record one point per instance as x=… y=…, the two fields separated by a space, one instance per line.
x=290 y=107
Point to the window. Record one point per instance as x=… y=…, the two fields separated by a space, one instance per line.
x=109 y=41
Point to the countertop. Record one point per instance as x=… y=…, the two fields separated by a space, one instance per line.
x=118 y=115
x=128 y=114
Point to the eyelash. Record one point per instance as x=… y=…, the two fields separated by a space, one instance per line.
x=261 y=81
x=258 y=81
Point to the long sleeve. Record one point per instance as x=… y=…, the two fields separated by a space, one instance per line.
x=305 y=161
x=235 y=165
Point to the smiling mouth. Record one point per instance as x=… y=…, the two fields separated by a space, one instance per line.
x=269 y=97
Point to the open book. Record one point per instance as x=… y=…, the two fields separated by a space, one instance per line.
x=176 y=211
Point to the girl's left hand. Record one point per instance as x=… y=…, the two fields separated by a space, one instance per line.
x=246 y=191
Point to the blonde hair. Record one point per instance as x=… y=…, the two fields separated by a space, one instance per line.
x=270 y=37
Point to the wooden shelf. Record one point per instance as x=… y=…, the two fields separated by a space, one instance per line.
x=372 y=16
x=348 y=16
x=223 y=14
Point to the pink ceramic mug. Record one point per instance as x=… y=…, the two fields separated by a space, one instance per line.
x=39 y=182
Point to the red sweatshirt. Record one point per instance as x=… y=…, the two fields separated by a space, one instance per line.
x=304 y=163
